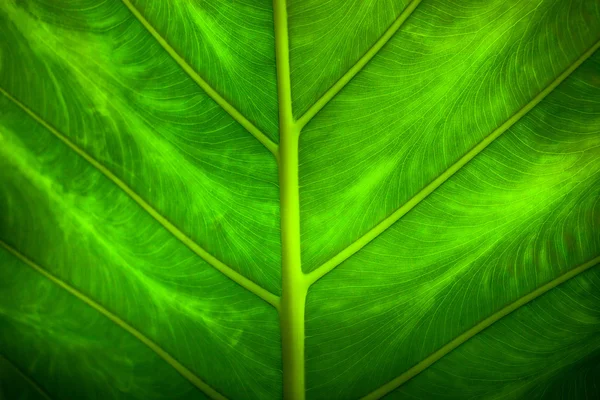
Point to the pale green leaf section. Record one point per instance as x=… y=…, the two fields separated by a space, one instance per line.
x=109 y=86
x=224 y=269
x=328 y=37
x=73 y=358
x=453 y=73
x=523 y=212
x=230 y=45
x=358 y=65
x=433 y=185
x=549 y=349
x=74 y=222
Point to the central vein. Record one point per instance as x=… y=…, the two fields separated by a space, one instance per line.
x=293 y=287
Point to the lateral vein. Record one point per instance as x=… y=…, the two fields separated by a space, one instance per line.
x=228 y=107
x=437 y=355
x=209 y=258
x=358 y=66
x=27 y=378
x=186 y=373
x=437 y=182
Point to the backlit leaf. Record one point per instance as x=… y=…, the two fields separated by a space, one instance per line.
x=265 y=199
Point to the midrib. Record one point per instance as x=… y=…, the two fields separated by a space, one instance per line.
x=293 y=282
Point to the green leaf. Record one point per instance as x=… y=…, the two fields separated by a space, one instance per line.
x=258 y=199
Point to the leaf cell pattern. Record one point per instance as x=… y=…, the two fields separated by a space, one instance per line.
x=256 y=199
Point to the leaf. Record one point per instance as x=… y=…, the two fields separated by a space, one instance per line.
x=306 y=199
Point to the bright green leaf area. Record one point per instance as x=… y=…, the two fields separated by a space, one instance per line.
x=437 y=234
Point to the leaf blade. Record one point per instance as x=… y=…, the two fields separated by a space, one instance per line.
x=358 y=66
x=486 y=323
x=355 y=246
x=105 y=83
x=163 y=95
x=520 y=214
x=75 y=356
x=210 y=259
x=231 y=110
x=20 y=383
x=186 y=373
x=383 y=139
x=230 y=44
x=87 y=232
x=547 y=341
x=327 y=39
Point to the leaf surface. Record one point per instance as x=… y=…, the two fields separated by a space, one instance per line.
x=299 y=199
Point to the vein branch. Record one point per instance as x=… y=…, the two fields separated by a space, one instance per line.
x=228 y=107
x=27 y=378
x=186 y=240
x=358 y=66
x=186 y=373
x=437 y=355
x=437 y=182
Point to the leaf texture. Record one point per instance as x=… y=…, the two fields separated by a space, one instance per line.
x=551 y=348
x=524 y=211
x=299 y=199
